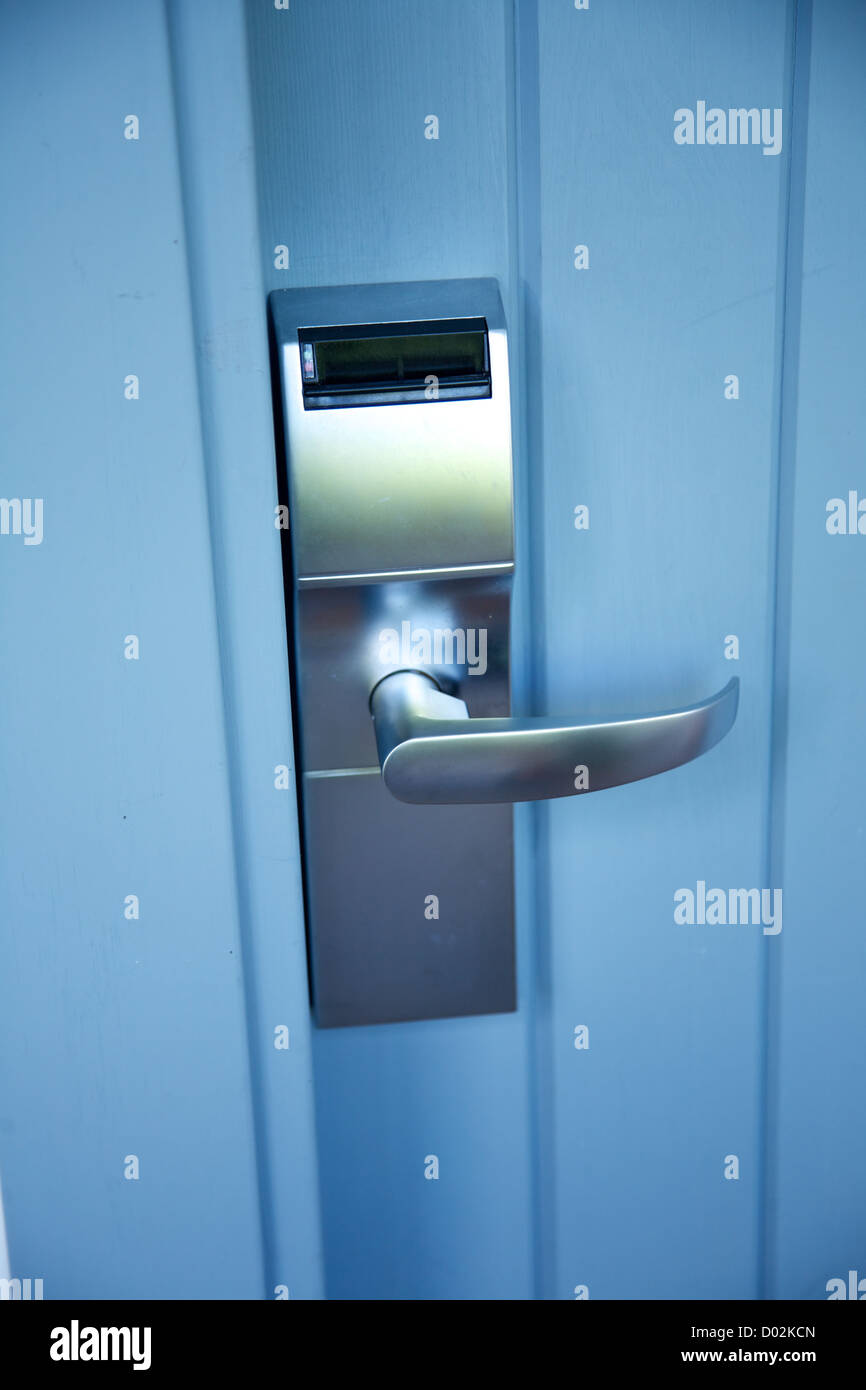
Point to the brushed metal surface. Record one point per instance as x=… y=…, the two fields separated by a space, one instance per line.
x=432 y=752
x=396 y=488
x=342 y=652
x=373 y=865
x=402 y=553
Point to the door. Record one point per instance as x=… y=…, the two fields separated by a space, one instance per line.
x=157 y=1129
x=672 y=202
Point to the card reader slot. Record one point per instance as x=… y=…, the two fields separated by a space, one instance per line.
x=395 y=363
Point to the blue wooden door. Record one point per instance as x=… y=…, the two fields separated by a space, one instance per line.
x=672 y=199
x=154 y=1141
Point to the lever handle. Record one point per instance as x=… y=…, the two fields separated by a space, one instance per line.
x=431 y=752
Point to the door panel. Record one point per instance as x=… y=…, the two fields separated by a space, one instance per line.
x=816 y=1209
x=674 y=1109
x=634 y=353
x=127 y=1035
x=349 y=183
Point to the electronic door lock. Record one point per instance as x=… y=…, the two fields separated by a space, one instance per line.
x=397 y=429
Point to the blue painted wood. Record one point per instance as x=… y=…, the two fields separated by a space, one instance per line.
x=228 y=300
x=350 y=184
x=129 y=1037
x=815 y=1187
x=561 y=1168
x=679 y=293
x=625 y=366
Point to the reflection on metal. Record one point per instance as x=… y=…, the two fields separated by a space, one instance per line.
x=385 y=488
x=432 y=753
x=400 y=497
x=400 y=523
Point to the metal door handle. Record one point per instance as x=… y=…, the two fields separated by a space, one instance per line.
x=402 y=568
x=432 y=752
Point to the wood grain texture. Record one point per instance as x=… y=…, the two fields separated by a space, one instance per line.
x=679 y=293
x=350 y=184
x=817 y=1228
